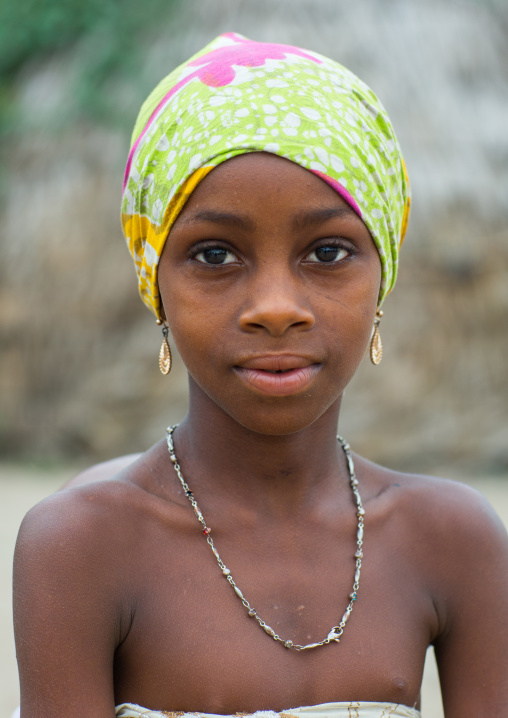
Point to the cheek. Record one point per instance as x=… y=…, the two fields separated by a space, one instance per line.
x=356 y=298
x=197 y=322
x=350 y=320
x=366 y=301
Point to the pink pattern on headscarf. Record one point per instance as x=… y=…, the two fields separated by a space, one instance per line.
x=340 y=190
x=216 y=69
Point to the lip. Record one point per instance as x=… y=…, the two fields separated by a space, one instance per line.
x=278 y=375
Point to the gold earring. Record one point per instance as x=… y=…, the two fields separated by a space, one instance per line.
x=376 y=346
x=165 y=358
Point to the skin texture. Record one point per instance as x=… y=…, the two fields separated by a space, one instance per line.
x=117 y=595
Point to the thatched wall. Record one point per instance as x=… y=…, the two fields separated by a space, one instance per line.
x=78 y=372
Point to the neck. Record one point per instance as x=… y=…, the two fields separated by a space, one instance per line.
x=275 y=473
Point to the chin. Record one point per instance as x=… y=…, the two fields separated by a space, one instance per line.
x=282 y=420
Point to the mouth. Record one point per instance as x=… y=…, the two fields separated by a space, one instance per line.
x=278 y=375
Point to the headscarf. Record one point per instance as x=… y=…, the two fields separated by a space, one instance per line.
x=237 y=96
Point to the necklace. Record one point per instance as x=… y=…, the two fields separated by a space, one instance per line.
x=336 y=631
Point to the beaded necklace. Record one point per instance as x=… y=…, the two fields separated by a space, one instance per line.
x=335 y=632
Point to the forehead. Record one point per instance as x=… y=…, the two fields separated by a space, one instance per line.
x=261 y=181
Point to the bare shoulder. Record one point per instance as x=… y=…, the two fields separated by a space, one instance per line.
x=78 y=508
x=443 y=507
x=75 y=586
x=78 y=529
x=454 y=511
x=91 y=511
x=75 y=549
x=464 y=537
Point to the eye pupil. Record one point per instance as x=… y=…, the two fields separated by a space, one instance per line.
x=327 y=254
x=215 y=255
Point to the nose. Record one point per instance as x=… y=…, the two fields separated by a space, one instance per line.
x=275 y=305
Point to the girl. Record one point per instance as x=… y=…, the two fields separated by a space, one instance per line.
x=251 y=562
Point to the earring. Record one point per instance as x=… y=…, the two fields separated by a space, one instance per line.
x=165 y=358
x=376 y=346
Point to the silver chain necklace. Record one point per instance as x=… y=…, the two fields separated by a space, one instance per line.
x=336 y=631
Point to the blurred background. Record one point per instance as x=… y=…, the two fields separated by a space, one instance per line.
x=79 y=380
x=78 y=366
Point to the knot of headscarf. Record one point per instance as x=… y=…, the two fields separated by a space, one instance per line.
x=238 y=96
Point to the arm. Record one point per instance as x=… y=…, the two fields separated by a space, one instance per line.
x=472 y=648
x=67 y=616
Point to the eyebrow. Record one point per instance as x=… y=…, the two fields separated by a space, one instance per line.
x=319 y=216
x=303 y=219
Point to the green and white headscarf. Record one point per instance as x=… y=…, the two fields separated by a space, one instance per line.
x=238 y=96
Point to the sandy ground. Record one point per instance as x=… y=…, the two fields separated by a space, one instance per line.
x=22 y=488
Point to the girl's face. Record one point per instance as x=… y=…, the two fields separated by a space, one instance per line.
x=269 y=282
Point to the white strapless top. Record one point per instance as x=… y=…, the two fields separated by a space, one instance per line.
x=355 y=709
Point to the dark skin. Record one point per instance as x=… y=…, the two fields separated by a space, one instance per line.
x=118 y=598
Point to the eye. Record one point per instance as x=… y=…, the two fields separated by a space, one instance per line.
x=215 y=255
x=328 y=253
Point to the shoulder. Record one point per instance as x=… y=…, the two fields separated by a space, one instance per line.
x=460 y=548
x=450 y=527
x=75 y=529
x=451 y=510
x=440 y=506
x=77 y=560
x=455 y=538
x=74 y=588
x=93 y=515
x=68 y=564
x=80 y=553
x=447 y=537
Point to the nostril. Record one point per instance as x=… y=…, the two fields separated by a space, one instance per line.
x=276 y=314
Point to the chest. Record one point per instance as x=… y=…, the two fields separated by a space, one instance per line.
x=193 y=646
